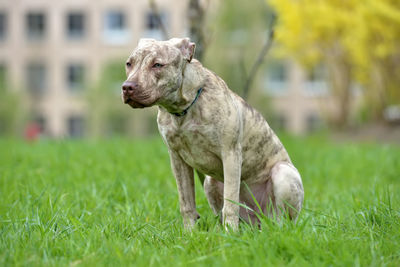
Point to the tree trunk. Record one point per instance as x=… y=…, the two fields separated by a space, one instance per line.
x=196 y=16
x=340 y=80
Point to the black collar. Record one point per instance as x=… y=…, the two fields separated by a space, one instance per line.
x=183 y=113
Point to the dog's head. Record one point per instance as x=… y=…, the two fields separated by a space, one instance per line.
x=154 y=71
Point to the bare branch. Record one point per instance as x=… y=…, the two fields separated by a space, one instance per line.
x=154 y=8
x=260 y=59
x=242 y=67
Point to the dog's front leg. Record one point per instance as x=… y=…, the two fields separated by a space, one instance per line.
x=185 y=183
x=232 y=162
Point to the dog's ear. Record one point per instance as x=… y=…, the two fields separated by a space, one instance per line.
x=144 y=41
x=186 y=47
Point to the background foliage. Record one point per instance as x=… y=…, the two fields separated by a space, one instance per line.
x=358 y=40
x=237 y=31
x=12 y=109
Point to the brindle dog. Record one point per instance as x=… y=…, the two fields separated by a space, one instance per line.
x=210 y=129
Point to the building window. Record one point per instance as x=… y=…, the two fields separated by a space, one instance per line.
x=3 y=77
x=276 y=78
x=152 y=22
x=40 y=121
x=115 y=21
x=36 y=78
x=279 y=122
x=75 y=25
x=3 y=25
x=313 y=122
x=76 y=126
x=153 y=26
x=277 y=72
x=36 y=25
x=115 y=28
x=117 y=125
x=75 y=77
x=317 y=74
x=316 y=84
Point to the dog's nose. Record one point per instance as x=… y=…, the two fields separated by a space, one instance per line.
x=129 y=86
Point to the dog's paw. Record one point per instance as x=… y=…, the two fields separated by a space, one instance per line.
x=231 y=223
x=189 y=222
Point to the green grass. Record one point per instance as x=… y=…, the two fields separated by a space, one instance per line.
x=115 y=203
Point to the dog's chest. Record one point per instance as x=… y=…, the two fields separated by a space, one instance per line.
x=197 y=145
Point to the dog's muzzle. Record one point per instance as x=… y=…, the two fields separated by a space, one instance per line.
x=131 y=95
x=128 y=89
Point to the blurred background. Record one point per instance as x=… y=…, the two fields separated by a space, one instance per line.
x=308 y=66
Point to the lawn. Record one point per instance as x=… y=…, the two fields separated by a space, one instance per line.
x=115 y=203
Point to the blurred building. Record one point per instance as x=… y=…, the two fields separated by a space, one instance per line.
x=296 y=96
x=302 y=99
x=51 y=50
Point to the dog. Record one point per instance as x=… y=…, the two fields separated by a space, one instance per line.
x=210 y=129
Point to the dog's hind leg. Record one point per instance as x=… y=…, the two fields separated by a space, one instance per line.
x=287 y=189
x=214 y=191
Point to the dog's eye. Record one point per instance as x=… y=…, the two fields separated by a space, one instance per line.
x=158 y=65
x=128 y=64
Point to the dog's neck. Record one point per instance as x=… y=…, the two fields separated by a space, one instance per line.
x=184 y=97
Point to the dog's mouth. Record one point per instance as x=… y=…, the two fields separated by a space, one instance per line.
x=139 y=99
x=133 y=103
